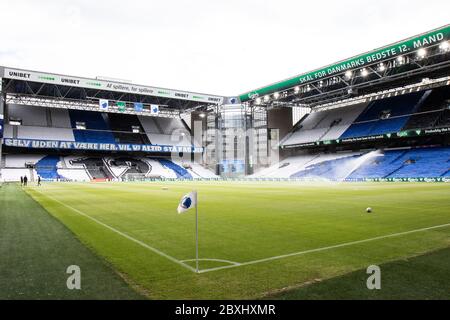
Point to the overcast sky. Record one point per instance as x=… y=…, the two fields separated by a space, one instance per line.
x=212 y=46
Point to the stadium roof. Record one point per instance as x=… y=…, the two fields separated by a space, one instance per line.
x=23 y=85
x=363 y=63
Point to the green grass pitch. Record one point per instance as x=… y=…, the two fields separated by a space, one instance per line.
x=257 y=240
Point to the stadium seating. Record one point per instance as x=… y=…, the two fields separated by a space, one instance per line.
x=60 y=124
x=122 y=125
x=86 y=168
x=47 y=169
x=424 y=163
x=407 y=163
x=97 y=128
x=401 y=163
x=323 y=125
x=292 y=166
x=385 y=116
x=45 y=133
x=19 y=161
x=335 y=169
x=159 y=131
x=380 y=167
x=444 y=118
x=74 y=175
x=30 y=116
x=60 y=118
x=169 y=125
x=39 y=123
x=198 y=171
x=431 y=111
x=179 y=170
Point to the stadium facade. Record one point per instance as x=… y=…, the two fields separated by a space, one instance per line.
x=384 y=114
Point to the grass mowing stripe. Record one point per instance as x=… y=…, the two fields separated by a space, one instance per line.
x=165 y=255
x=327 y=248
x=240 y=264
x=421 y=277
x=36 y=249
x=248 y=223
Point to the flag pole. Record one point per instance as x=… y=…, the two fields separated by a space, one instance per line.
x=196 y=232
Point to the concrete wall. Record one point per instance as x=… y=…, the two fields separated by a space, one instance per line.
x=280 y=119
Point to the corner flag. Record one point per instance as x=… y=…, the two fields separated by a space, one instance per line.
x=187 y=202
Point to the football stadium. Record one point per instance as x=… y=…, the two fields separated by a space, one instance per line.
x=295 y=190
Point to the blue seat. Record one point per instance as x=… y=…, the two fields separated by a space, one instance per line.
x=179 y=171
x=46 y=168
x=97 y=129
x=370 y=123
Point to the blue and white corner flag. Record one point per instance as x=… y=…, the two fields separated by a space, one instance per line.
x=187 y=202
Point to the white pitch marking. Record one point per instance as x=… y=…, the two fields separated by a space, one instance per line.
x=122 y=234
x=346 y=244
x=217 y=260
x=326 y=248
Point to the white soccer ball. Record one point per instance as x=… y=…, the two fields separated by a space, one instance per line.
x=369 y=210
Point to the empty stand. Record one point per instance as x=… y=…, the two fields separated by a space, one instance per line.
x=179 y=170
x=334 y=169
x=402 y=163
x=122 y=125
x=166 y=131
x=39 y=123
x=47 y=169
x=97 y=128
x=385 y=116
x=431 y=111
x=424 y=163
x=324 y=125
x=408 y=163
x=380 y=167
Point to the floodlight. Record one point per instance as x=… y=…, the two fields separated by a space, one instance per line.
x=444 y=46
x=348 y=74
x=276 y=95
x=421 y=53
x=401 y=60
x=364 y=72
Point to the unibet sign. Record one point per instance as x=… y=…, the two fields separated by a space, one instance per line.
x=18 y=74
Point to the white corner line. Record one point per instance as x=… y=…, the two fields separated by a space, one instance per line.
x=211 y=259
x=159 y=252
x=346 y=244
